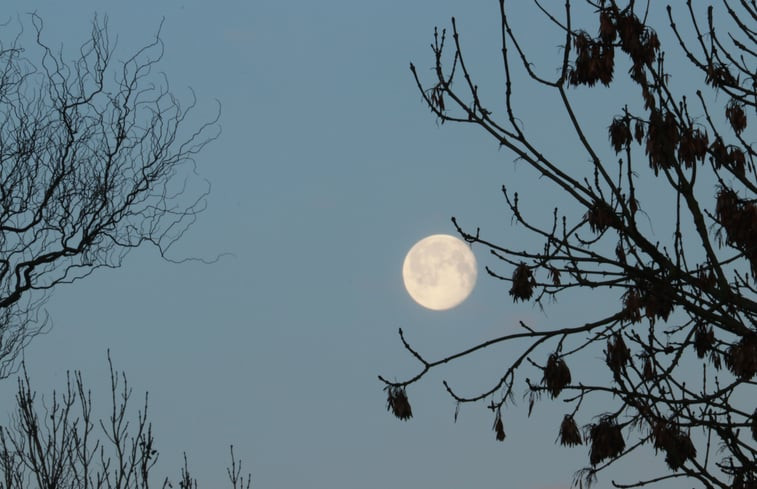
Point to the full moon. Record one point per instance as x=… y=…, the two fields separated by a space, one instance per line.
x=439 y=272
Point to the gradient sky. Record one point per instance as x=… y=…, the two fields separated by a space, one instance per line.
x=329 y=168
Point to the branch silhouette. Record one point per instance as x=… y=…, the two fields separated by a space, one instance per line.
x=679 y=350
x=96 y=158
x=55 y=444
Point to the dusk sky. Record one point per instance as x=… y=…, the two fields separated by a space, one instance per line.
x=329 y=167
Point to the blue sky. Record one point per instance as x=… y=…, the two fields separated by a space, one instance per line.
x=328 y=169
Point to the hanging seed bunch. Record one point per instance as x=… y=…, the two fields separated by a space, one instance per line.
x=718 y=76
x=556 y=375
x=632 y=304
x=499 y=427
x=601 y=216
x=620 y=134
x=554 y=275
x=675 y=443
x=637 y=40
x=730 y=157
x=606 y=440
x=704 y=343
x=662 y=139
x=741 y=358
x=692 y=146
x=656 y=298
x=523 y=283
x=734 y=112
x=617 y=354
x=569 y=434
x=397 y=402
x=739 y=219
x=595 y=61
x=704 y=340
x=638 y=132
x=607 y=29
x=595 y=57
x=753 y=425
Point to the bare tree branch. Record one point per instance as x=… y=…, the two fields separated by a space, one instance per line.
x=686 y=304
x=95 y=159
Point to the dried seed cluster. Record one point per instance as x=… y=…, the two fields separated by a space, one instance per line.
x=662 y=139
x=730 y=157
x=637 y=40
x=556 y=375
x=741 y=358
x=606 y=441
x=655 y=298
x=734 y=112
x=601 y=216
x=523 y=283
x=739 y=220
x=499 y=428
x=620 y=134
x=617 y=354
x=692 y=146
x=569 y=434
x=668 y=141
x=397 y=402
x=675 y=443
x=704 y=340
x=595 y=57
x=595 y=61
x=718 y=76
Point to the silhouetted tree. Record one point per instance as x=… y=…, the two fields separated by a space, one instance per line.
x=679 y=347
x=56 y=445
x=95 y=159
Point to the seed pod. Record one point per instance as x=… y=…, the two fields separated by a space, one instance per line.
x=692 y=146
x=607 y=30
x=719 y=153
x=741 y=358
x=704 y=339
x=569 y=434
x=523 y=283
x=620 y=134
x=499 y=427
x=734 y=112
x=662 y=139
x=606 y=441
x=397 y=402
x=556 y=375
x=617 y=354
x=632 y=305
x=601 y=216
x=736 y=161
x=676 y=444
x=554 y=274
x=718 y=76
x=638 y=132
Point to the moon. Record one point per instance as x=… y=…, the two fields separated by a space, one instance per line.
x=439 y=272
